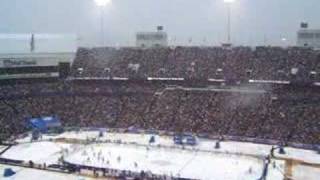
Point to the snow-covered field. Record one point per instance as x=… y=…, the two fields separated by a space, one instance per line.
x=234 y=160
x=306 y=173
x=32 y=174
x=38 y=152
x=2 y=148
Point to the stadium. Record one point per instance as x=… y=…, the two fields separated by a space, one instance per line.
x=157 y=110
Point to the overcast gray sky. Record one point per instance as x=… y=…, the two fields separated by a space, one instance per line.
x=253 y=21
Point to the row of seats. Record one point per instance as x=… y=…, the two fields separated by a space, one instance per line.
x=279 y=112
x=261 y=63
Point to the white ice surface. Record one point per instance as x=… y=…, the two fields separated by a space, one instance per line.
x=275 y=170
x=204 y=144
x=184 y=163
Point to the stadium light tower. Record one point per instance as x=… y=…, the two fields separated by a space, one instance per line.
x=102 y=4
x=229 y=2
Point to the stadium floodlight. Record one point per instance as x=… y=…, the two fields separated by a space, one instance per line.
x=102 y=3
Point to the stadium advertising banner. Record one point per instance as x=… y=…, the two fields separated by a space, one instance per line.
x=32 y=65
x=18 y=63
x=25 y=50
x=29 y=75
x=34 y=59
x=44 y=123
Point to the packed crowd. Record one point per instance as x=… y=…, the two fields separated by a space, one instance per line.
x=261 y=63
x=283 y=113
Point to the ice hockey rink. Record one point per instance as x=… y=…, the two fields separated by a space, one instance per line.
x=234 y=160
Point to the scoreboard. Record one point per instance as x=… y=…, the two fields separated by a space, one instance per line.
x=151 y=39
x=309 y=38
